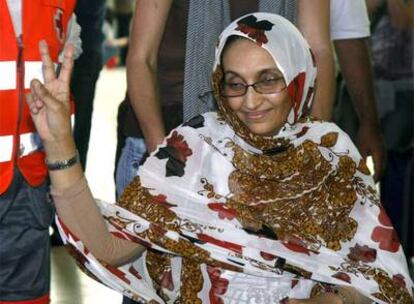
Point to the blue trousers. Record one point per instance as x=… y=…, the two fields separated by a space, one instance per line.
x=131 y=157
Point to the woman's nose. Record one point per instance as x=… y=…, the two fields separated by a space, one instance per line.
x=252 y=99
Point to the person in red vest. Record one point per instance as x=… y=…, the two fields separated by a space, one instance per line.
x=25 y=213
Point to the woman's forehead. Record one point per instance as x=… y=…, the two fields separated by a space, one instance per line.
x=245 y=56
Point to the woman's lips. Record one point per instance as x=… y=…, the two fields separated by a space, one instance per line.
x=256 y=115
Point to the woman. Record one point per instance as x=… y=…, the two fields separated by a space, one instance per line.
x=254 y=204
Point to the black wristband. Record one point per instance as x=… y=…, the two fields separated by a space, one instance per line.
x=62 y=164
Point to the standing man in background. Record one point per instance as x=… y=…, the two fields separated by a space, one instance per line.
x=90 y=15
x=391 y=46
x=350 y=31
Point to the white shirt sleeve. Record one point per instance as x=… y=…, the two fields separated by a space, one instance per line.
x=349 y=19
x=15 y=10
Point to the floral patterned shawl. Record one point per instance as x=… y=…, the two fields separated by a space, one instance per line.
x=232 y=217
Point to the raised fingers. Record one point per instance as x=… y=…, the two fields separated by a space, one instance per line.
x=48 y=67
x=41 y=96
x=34 y=108
x=67 y=65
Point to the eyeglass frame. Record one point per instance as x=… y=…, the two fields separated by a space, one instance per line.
x=253 y=85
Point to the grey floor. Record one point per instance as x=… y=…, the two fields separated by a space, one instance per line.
x=69 y=285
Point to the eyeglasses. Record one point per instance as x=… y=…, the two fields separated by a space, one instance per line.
x=266 y=86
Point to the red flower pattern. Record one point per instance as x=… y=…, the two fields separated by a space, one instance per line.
x=296 y=245
x=177 y=142
x=209 y=239
x=342 y=276
x=218 y=285
x=223 y=211
x=302 y=132
x=167 y=280
x=137 y=240
x=67 y=231
x=295 y=90
x=158 y=230
x=256 y=34
x=118 y=273
x=76 y=254
x=399 y=281
x=294 y=283
x=267 y=256
x=383 y=218
x=134 y=272
x=296 y=248
x=362 y=253
x=386 y=236
x=162 y=200
x=120 y=235
x=254 y=29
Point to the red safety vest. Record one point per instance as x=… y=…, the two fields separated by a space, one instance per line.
x=20 y=62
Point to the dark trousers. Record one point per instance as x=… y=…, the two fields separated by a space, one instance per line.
x=85 y=75
x=397 y=195
x=25 y=216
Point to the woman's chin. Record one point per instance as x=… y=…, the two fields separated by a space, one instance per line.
x=263 y=130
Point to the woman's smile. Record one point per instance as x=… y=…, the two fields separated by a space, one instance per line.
x=256 y=115
x=264 y=111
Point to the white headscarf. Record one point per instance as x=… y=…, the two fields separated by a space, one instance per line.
x=277 y=35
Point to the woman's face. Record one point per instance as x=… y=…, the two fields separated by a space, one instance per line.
x=244 y=62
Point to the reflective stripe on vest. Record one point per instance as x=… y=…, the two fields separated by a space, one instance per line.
x=32 y=70
x=7 y=75
x=29 y=143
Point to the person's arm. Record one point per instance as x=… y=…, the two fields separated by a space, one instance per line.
x=50 y=110
x=345 y=295
x=401 y=13
x=77 y=209
x=313 y=22
x=354 y=60
x=147 y=30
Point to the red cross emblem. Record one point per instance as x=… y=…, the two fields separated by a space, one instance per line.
x=58 y=22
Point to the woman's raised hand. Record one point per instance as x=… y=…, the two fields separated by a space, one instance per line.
x=49 y=103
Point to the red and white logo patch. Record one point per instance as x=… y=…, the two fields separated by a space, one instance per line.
x=58 y=23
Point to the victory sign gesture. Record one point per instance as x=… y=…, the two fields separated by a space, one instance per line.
x=49 y=103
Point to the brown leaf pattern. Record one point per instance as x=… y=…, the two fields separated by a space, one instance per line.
x=314 y=205
x=362 y=167
x=329 y=140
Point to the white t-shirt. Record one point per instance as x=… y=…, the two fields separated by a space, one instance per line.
x=349 y=19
